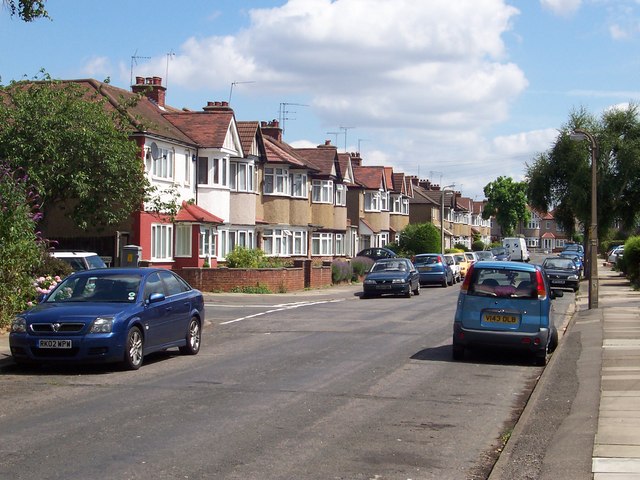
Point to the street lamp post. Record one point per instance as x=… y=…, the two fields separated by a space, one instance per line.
x=580 y=135
x=442 y=190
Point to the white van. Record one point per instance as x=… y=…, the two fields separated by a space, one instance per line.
x=517 y=248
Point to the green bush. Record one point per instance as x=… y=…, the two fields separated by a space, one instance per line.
x=477 y=246
x=630 y=262
x=419 y=238
x=242 y=257
x=20 y=245
x=461 y=247
x=251 y=289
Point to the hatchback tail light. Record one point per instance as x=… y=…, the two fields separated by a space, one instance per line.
x=542 y=291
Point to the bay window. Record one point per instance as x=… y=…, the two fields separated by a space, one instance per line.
x=276 y=181
x=298 y=185
x=341 y=195
x=322 y=191
x=321 y=244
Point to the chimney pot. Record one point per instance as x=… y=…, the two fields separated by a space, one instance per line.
x=327 y=142
x=139 y=80
x=148 y=80
x=157 y=80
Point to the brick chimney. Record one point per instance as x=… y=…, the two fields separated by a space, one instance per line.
x=217 y=107
x=327 y=144
x=356 y=159
x=272 y=129
x=152 y=88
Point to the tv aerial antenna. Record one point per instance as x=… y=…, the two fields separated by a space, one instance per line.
x=237 y=83
x=134 y=61
x=336 y=134
x=345 y=135
x=170 y=56
x=282 y=112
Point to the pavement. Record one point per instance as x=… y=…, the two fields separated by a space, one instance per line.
x=598 y=435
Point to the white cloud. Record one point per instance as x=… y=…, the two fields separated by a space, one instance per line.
x=426 y=77
x=97 y=67
x=563 y=8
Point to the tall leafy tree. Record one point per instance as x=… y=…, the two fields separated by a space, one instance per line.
x=560 y=178
x=75 y=149
x=507 y=202
x=27 y=10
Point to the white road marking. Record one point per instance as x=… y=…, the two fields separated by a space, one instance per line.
x=280 y=308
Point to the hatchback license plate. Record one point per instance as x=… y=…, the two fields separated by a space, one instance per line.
x=499 y=318
x=557 y=282
x=57 y=343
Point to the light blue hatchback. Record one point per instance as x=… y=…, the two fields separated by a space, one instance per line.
x=505 y=305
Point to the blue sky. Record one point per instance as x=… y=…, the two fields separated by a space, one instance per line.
x=456 y=91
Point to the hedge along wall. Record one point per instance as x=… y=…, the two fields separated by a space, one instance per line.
x=277 y=280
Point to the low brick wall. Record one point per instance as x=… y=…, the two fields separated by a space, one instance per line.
x=277 y=280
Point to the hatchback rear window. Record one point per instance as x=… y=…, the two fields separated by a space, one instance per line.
x=503 y=283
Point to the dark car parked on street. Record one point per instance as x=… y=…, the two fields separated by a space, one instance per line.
x=110 y=315
x=375 y=253
x=562 y=273
x=433 y=269
x=396 y=276
x=501 y=254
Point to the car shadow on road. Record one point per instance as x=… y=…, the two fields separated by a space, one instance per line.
x=443 y=353
x=9 y=367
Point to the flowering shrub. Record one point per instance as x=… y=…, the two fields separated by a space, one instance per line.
x=341 y=271
x=360 y=266
x=44 y=286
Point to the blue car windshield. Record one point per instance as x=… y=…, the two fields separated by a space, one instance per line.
x=97 y=288
x=503 y=283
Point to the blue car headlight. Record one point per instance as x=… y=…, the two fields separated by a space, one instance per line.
x=102 y=325
x=399 y=280
x=573 y=277
x=369 y=282
x=18 y=325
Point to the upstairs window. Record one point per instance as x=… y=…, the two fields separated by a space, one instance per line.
x=241 y=176
x=276 y=181
x=162 y=166
x=341 y=195
x=372 y=201
x=212 y=171
x=299 y=187
x=322 y=191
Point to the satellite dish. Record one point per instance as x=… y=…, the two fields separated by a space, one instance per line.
x=155 y=153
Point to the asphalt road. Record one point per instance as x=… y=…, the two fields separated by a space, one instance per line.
x=318 y=385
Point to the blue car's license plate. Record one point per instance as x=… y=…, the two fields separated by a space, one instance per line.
x=54 y=343
x=500 y=318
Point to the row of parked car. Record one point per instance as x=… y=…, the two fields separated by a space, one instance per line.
x=502 y=304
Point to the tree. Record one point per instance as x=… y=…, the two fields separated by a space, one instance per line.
x=507 y=202
x=75 y=148
x=20 y=246
x=419 y=238
x=561 y=177
x=27 y=10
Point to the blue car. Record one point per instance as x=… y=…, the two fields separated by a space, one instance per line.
x=577 y=259
x=505 y=304
x=433 y=269
x=110 y=315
